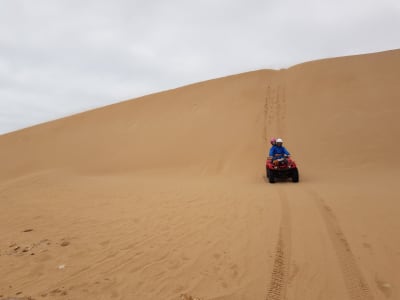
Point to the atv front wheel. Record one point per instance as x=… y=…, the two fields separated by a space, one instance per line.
x=295 y=175
x=271 y=176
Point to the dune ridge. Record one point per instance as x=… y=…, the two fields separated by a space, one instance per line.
x=164 y=196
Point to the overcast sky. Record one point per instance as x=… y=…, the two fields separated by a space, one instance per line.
x=59 y=57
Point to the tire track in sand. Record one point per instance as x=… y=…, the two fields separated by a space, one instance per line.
x=274 y=111
x=274 y=118
x=280 y=270
x=356 y=285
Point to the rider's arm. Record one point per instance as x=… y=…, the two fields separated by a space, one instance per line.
x=286 y=152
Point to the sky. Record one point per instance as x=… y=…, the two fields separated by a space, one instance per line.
x=61 y=57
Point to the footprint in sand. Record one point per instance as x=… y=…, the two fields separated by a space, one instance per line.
x=234 y=270
x=27 y=249
x=385 y=288
x=64 y=243
x=59 y=291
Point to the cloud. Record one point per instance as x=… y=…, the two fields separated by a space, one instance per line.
x=61 y=57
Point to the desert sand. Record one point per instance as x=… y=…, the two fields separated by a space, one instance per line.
x=165 y=196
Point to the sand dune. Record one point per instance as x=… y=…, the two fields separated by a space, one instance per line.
x=164 y=196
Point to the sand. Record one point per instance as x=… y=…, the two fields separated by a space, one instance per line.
x=165 y=196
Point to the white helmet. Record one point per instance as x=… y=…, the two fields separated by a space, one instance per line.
x=279 y=140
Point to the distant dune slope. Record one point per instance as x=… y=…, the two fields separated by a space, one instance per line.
x=342 y=110
x=345 y=110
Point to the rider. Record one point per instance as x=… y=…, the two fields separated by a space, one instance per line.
x=273 y=143
x=278 y=151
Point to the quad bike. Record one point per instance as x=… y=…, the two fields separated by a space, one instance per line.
x=282 y=168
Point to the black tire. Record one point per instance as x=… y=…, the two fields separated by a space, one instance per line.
x=271 y=177
x=267 y=172
x=295 y=175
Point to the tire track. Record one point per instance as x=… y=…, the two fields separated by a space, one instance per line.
x=274 y=117
x=280 y=270
x=274 y=111
x=269 y=114
x=281 y=109
x=356 y=285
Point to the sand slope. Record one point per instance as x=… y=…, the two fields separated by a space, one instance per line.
x=164 y=195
